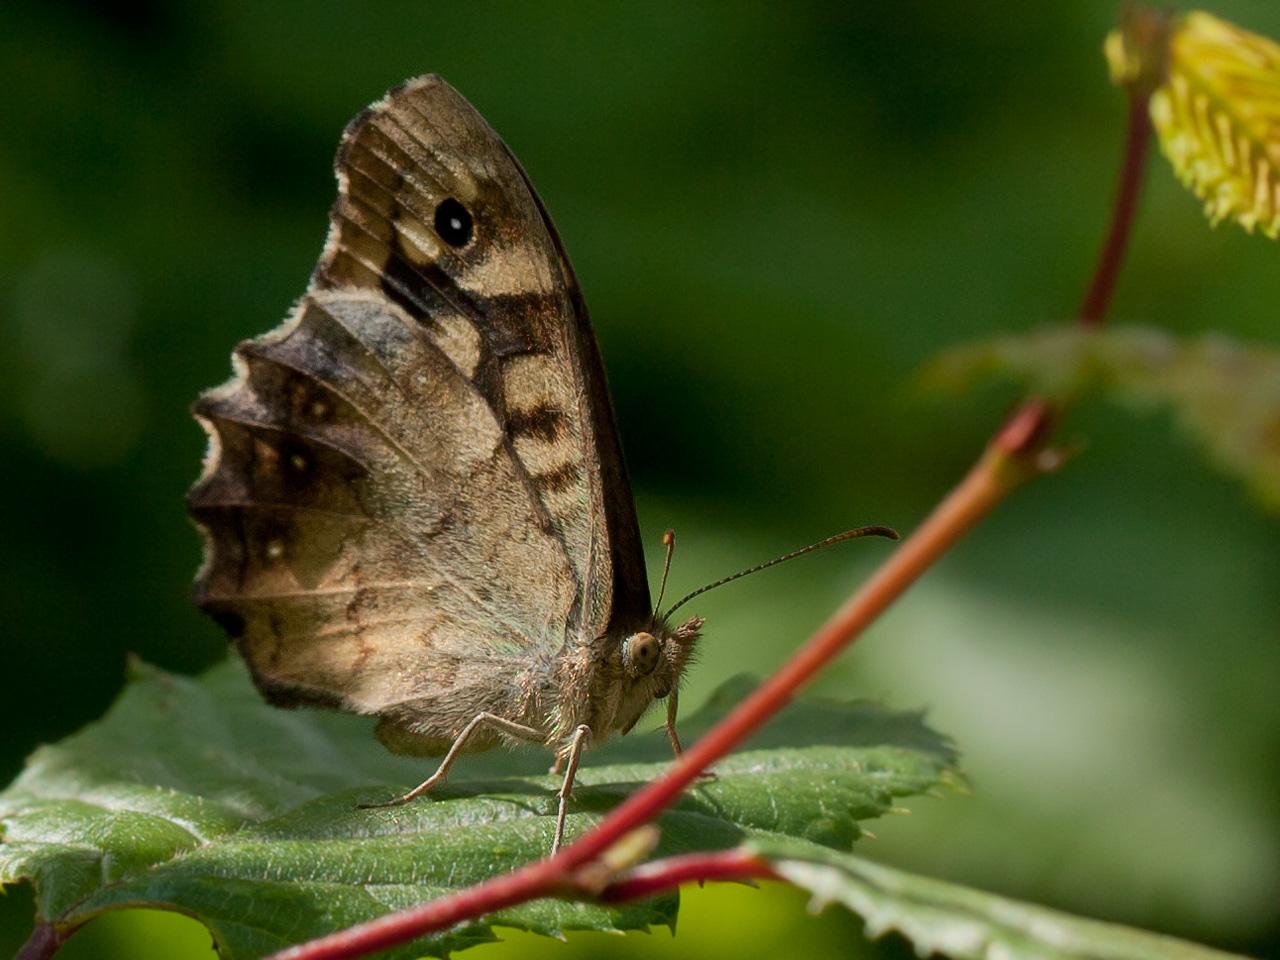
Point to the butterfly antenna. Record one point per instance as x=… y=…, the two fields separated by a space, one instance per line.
x=875 y=531
x=668 y=541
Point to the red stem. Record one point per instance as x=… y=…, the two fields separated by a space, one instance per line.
x=661 y=875
x=1137 y=144
x=41 y=945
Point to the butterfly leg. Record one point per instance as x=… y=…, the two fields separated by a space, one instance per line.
x=673 y=706
x=509 y=727
x=573 y=755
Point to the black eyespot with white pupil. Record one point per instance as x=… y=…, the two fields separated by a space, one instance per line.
x=453 y=223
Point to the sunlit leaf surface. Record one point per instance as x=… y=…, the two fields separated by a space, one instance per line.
x=960 y=922
x=192 y=794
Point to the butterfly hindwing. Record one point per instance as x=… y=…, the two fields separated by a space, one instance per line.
x=357 y=542
x=414 y=496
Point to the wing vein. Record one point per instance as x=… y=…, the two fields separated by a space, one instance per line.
x=378 y=428
x=465 y=310
x=244 y=420
x=293 y=507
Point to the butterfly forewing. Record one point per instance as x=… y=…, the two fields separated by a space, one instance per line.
x=414 y=486
x=505 y=306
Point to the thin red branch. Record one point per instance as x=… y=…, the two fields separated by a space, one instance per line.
x=1137 y=144
x=41 y=945
x=662 y=875
x=1013 y=455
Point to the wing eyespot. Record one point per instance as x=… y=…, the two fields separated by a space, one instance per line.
x=453 y=223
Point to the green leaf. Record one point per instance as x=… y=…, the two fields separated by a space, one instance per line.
x=1225 y=392
x=961 y=922
x=193 y=795
x=1217 y=109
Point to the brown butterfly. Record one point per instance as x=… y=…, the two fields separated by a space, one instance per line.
x=414 y=501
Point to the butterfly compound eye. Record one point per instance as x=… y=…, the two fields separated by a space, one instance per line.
x=640 y=654
x=453 y=222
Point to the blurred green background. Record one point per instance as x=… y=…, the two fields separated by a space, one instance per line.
x=777 y=213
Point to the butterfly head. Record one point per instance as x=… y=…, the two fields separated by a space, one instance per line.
x=654 y=659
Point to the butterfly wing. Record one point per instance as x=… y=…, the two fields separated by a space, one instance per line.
x=414 y=487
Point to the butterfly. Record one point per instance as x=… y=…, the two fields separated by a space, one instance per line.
x=414 y=502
